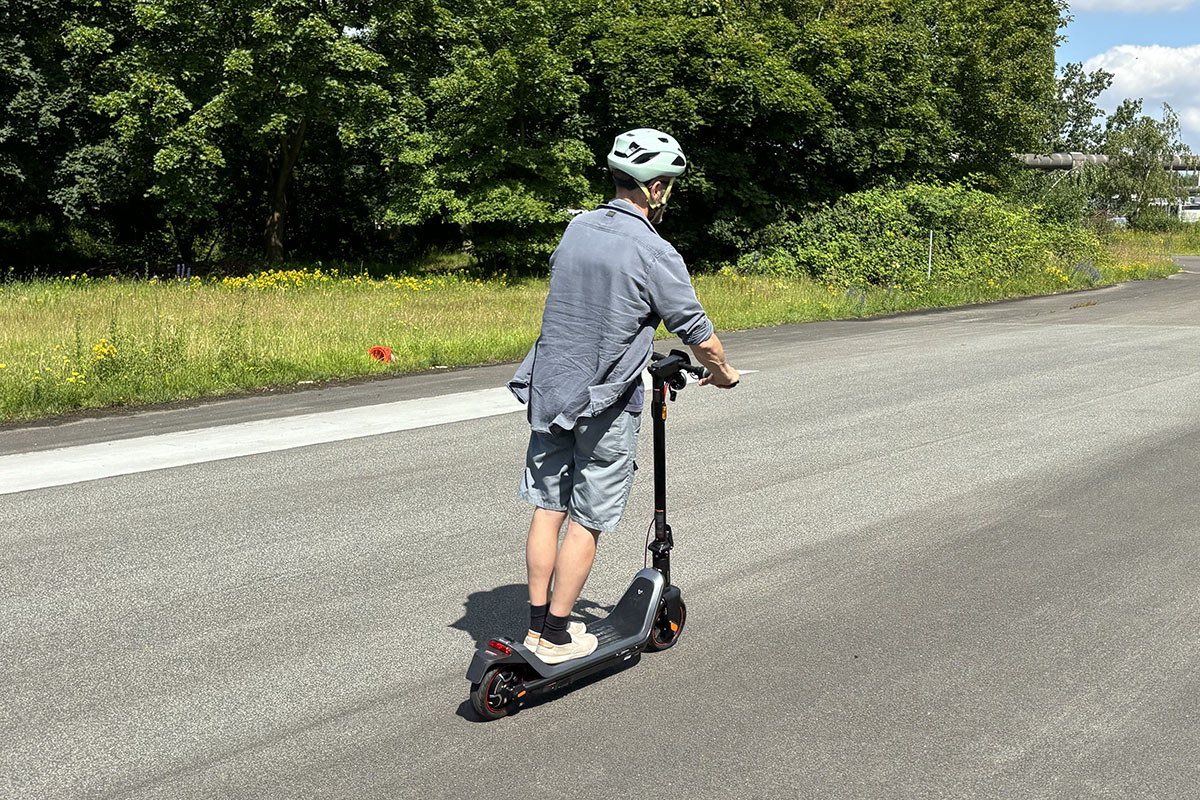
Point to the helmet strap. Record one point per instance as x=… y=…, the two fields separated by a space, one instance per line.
x=657 y=209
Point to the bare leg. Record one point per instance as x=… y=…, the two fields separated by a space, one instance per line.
x=540 y=550
x=571 y=570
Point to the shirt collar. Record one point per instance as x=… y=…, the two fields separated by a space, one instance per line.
x=628 y=208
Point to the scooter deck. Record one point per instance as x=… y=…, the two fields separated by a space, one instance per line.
x=620 y=635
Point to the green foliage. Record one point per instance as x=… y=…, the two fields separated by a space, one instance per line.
x=1060 y=196
x=1073 y=113
x=998 y=68
x=79 y=342
x=505 y=155
x=336 y=127
x=1156 y=220
x=519 y=248
x=880 y=237
x=206 y=98
x=1137 y=146
x=29 y=245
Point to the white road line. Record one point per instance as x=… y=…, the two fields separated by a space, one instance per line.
x=38 y=470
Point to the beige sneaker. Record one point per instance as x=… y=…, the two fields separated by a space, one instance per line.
x=532 y=639
x=581 y=645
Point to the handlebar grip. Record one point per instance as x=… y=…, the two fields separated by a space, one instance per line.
x=700 y=371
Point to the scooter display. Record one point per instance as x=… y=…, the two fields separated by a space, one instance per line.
x=650 y=616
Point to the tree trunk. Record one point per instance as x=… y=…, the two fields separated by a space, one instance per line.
x=289 y=152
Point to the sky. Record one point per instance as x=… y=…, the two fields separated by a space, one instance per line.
x=1152 y=48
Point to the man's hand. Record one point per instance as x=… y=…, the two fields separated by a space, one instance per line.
x=726 y=377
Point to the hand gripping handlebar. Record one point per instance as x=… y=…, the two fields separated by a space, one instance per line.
x=671 y=368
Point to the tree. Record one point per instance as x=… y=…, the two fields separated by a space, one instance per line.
x=505 y=153
x=732 y=85
x=1073 y=114
x=1137 y=146
x=199 y=82
x=310 y=124
x=998 y=69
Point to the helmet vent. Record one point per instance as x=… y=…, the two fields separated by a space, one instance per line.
x=644 y=157
x=679 y=162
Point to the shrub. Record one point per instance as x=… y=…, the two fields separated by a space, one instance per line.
x=880 y=237
x=1157 y=220
x=32 y=246
x=515 y=249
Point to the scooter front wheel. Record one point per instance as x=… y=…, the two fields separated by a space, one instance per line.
x=666 y=630
x=496 y=694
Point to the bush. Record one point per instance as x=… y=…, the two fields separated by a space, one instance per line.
x=1157 y=220
x=31 y=247
x=516 y=250
x=880 y=237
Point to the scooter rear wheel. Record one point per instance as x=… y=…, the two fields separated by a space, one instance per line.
x=496 y=694
x=666 y=631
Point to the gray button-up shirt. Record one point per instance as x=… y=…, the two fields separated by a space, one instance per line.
x=612 y=280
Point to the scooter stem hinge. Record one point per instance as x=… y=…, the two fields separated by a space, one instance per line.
x=663 y=546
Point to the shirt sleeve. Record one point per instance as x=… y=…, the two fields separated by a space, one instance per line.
x=523 y=380
x=674 y=300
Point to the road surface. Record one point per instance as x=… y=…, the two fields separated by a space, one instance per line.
x=949 y=554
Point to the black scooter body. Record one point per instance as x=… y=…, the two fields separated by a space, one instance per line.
x=650 y=616
x=622 y=635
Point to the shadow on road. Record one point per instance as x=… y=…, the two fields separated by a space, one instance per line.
x=505 y=611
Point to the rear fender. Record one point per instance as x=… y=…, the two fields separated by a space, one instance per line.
x=486 y=658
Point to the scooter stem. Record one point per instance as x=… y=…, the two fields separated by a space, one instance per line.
x=660 y=548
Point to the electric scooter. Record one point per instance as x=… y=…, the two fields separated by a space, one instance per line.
x=650 y=616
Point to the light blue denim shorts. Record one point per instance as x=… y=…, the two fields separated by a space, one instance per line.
x=586 y=471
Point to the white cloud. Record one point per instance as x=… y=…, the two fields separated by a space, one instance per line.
x=1141 y=6
x=1158 y=75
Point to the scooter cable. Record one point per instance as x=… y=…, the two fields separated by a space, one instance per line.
x=646 y=551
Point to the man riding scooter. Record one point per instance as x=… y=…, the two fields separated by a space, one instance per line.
x=613 y=280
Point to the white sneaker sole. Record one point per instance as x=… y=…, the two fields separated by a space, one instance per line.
x=575 y=628
x=555 y=658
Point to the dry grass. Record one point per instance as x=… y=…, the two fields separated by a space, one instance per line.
x=1129 y=245
x=77 y=342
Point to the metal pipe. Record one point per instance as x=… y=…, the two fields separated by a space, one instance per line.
x=1073 y=160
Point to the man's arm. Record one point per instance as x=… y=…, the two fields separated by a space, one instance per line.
x=712 y=355
x=674 y=300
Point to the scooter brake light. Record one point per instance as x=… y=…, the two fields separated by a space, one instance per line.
x=500 y=647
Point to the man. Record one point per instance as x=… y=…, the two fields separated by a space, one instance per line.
x=612 y=280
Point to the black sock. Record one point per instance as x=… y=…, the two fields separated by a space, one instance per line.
x=537 y=617
x=555 y=631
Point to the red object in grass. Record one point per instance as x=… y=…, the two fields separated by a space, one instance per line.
x=380 y=353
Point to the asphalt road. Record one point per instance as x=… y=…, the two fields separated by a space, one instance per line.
x=938 y=555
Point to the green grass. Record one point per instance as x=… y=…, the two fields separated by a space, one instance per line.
x=1127 y=244
x=77 y=342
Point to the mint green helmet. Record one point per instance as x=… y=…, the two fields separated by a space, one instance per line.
x=645 y=154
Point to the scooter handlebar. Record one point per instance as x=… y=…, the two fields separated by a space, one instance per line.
x=671 y=368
